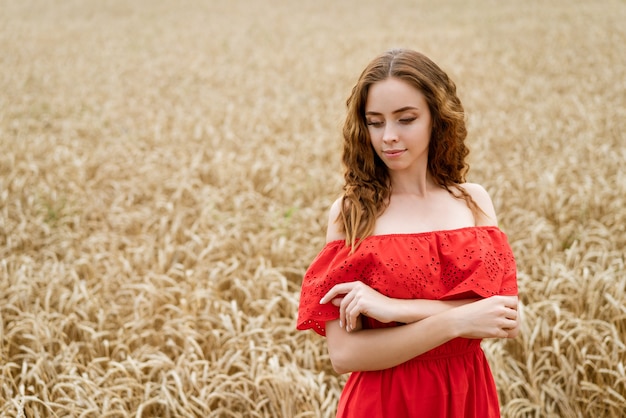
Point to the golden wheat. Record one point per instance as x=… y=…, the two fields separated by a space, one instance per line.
x=166 y=169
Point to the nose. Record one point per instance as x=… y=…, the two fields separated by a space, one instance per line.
x=390 y=134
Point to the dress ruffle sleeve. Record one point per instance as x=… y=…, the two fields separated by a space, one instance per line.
x=331 y=266
x=485 y=262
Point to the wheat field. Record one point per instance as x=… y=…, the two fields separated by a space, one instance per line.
x=166 y=168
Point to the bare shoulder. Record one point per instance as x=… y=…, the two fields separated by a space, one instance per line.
x=483 y=200
x=334 y=231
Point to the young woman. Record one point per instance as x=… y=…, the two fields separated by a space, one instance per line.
x=415 y=271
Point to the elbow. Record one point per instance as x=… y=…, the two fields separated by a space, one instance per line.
x=340 y=370
x=342 y=350
x=339 y=364
x=341 y=360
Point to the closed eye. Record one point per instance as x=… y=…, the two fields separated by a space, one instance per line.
x=407 y=120
x=375 y=124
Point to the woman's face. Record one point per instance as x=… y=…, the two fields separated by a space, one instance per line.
x=399 y=123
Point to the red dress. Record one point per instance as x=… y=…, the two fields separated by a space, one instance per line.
x=452 y=380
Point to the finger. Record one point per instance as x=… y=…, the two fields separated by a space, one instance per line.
x=336 y=290
x=349 y=320
x=513 y=331
x=512 y=327
x=345 y=302
x=344 y=315
x=509 y=324
x=353 y=310
x=511 y=302
x=511 y=314
x=350 y=316
x=337 y=301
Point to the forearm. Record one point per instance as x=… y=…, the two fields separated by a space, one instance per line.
x=413 y=310
x=377 y=349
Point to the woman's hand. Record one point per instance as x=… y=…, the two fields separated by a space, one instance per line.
x=356 y=298
x=493 y=317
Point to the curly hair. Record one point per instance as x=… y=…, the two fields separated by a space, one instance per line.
x=367 y=187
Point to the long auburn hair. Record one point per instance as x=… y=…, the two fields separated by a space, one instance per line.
x=367 y=187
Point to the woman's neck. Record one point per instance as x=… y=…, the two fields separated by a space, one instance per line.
x=418 y=183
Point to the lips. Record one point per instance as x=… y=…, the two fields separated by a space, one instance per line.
x=393 y=152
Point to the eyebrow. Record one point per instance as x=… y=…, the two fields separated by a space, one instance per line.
x=402 y=109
